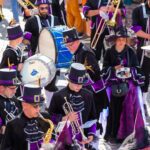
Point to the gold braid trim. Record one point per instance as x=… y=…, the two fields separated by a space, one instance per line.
x=88 y=67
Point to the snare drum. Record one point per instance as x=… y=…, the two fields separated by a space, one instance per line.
x=51 y=45
x=38 y=67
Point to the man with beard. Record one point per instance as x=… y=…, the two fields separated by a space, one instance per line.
x=37 y=22
x=9 y=106
x=141 y=26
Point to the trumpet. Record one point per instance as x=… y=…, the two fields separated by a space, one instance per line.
x=103 y=23
x=76 y=128
x=11 y=115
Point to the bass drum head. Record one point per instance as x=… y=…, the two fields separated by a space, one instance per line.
x=38 y=67
x=46 y=44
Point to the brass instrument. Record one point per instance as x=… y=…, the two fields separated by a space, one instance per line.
x=25 y=4
x=74 y=125
x=28 y=12
x=112 y=22
x=99 y=30
x=103 y=23
x=48 y=135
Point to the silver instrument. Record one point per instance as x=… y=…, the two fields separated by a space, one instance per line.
x=76 y=128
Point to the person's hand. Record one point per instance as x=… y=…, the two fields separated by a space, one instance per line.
x=118 y=67
x=2 y=130
x=111 y=8
x=103 y=9
x=89 y=140
x=20 y=66
x=72 y=116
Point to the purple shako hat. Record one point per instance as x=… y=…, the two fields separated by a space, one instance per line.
x=32 y=94
x=70 y=35
x=77 y=74
x=14 y=32
x=8 y=77
x=39 y=2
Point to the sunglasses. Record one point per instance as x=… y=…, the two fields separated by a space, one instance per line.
x=42 y=8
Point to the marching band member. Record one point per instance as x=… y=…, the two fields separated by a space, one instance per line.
x=122 y=74
x=37 y=22
x=82 y=108
x=58 y=9
x=9 y=106
x=141 y=26
x=84 y=55
x=27 y=131
x=15 y=37
x=97 y=11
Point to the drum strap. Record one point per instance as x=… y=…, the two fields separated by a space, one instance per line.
x=52 y=21
x=39 y=22
x=144 y=10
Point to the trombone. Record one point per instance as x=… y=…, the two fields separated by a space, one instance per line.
x=103 y=23
x=26 y=3
x=76 y=128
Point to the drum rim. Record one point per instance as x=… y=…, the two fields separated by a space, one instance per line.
x=44 y=64
x=53 y=41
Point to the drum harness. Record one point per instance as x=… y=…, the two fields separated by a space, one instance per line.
x=40 y=25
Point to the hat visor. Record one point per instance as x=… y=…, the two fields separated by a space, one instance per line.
x=76 y=82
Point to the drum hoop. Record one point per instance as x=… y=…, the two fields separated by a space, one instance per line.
x=44 y=64
x=53 y=41
x=56 y=58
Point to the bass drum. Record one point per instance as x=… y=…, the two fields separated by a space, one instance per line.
x=38 y=69
x=51 y=45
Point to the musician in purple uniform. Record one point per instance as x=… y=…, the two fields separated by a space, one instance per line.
x=84 y=55
x=9 y=105
x=123 y=79
x=81 y=101
x=37 y=22
x=141 y=26
x=12 y=54
x=96 y=11
x=27 y=131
